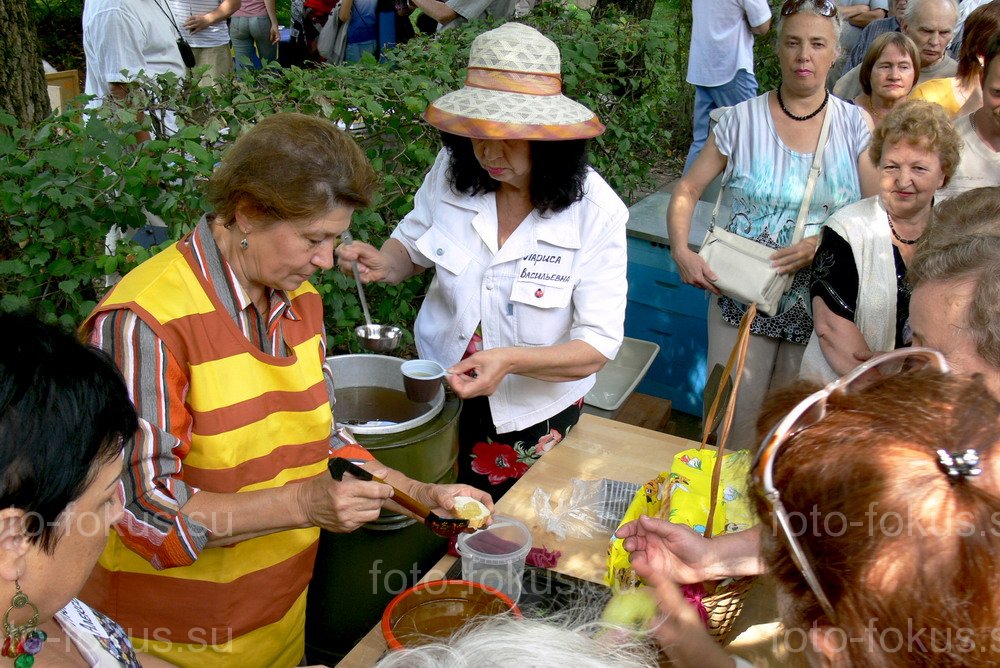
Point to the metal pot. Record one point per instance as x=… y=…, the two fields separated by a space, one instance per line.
x=357 y=574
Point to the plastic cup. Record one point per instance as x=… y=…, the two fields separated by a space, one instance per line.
x=495 y=556
x=421 y=380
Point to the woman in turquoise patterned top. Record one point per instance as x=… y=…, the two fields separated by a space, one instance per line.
x=764 y=148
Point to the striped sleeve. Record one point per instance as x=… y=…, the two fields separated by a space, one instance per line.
x=154 y=525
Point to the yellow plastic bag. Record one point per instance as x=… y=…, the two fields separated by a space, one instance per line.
x=682 y=495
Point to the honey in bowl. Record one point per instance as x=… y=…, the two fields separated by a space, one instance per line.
x=433 y=611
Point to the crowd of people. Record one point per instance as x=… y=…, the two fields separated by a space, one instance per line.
x=156 y=37
x=199 y=420
x=901 y=256
x=893 y=150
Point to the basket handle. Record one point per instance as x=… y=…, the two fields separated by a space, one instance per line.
x=737 y=360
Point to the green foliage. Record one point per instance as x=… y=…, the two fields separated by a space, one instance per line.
x=765 y=59
x=674 y=18
x=64 y=184
x=60 y=33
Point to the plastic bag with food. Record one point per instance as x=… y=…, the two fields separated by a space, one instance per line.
x=593 y=507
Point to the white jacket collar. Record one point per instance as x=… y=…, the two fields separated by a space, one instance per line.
x=557 y=229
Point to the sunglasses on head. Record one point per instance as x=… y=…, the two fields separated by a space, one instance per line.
x=823 y=7
x=807 y=413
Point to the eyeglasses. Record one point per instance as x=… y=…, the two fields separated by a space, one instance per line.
x=807 y=413
x=823 y=7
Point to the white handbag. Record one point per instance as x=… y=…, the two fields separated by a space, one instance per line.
x=332 y=40
x=743 y=266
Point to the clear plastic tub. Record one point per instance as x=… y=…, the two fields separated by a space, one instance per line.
x=495 y=556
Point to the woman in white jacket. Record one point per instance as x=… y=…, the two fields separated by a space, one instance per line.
x=529 y=252
x=860 y=296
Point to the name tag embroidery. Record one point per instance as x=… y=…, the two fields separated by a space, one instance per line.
x=545 y=268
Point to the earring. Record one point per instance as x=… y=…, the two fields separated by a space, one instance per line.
x=22 y=642
x=244 y=244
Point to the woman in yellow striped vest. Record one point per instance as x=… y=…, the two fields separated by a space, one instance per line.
x=220 y=339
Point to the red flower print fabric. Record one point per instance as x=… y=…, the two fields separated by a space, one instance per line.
x=497 y=461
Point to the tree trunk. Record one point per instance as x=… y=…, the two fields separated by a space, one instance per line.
x=641 y=9
x=22 y=80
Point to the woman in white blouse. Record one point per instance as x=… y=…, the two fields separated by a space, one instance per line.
x=528 y=247
x=764 y=148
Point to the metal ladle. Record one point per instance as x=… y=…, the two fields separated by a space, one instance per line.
x=376 y=338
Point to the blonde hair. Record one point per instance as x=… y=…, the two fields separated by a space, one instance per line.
x=919 y=123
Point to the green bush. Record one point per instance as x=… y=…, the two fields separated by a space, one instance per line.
x=64 y=184
x=60 y=33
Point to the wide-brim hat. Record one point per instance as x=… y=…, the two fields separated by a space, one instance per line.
x=513 y=90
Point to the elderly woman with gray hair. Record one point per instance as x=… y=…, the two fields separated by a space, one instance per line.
x=763 y=148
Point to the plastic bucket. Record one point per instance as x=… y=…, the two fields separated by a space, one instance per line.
x=495 y=556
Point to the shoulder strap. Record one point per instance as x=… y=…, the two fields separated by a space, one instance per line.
x=807 y=194
x=718 y=204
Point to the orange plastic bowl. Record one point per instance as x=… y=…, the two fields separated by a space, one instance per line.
x=432 y=611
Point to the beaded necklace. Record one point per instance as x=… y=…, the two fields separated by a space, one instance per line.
x=908 y=242
x=781 y=103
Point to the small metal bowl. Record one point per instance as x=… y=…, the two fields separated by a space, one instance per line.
x=378 y=338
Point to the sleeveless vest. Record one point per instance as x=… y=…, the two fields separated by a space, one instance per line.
x=257 y=422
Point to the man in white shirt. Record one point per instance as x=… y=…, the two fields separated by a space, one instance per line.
x=203 y=25
x=720 y=60
x=129 y=36
x=454 y=13
x=980 y=130
x=930 y=24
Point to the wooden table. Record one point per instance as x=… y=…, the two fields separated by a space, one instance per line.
x=596 y=448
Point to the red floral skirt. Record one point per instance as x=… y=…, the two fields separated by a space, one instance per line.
x=493 y=462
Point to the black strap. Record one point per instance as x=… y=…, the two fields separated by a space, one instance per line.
x=170 y=16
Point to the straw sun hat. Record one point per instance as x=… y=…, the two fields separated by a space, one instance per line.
x=513 y=90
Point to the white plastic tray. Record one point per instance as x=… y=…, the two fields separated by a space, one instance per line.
x=619 y=377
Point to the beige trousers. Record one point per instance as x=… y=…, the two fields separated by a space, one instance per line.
x=218 y=58
x=771 y=364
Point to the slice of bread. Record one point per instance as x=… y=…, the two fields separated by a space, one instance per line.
x=470 y=509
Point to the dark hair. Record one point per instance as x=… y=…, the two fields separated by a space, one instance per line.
x=63 y=413
x=558 y=171
x=897 y=544
x=291 y=167
x=901 y=42
x=979 y=31
x=992 y=51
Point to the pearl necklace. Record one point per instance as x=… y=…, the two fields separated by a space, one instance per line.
x=908 y=242
x=781 y=103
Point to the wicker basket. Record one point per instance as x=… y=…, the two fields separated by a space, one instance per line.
x=723 y=600
x=725 y=605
